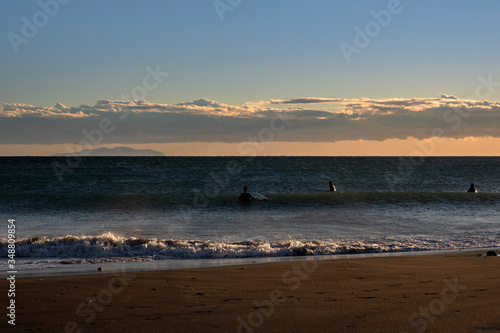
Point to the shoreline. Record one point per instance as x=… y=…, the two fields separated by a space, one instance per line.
x=452 y=292
x=176 y=264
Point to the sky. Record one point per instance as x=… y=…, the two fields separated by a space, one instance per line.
x=251 y=77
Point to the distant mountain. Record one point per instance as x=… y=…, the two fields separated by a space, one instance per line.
x=117 y=151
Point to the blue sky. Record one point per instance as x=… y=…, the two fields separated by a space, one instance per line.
x=262 y=50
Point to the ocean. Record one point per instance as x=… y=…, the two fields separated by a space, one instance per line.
x=73 y=214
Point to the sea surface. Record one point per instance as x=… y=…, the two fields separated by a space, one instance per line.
x=79 y=212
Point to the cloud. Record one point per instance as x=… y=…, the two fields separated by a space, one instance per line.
x=310 y=119
x=204 y=102
x=307 y=100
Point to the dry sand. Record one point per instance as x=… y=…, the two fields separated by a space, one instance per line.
x=437 y=293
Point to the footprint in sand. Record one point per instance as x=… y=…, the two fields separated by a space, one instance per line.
x=329 y=299
x=232 y=299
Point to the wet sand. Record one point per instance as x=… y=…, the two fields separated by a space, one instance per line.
x=432 y=293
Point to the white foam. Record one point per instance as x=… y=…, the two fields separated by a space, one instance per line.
x=109 y=247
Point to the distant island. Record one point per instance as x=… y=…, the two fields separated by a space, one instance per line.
x=117 y=151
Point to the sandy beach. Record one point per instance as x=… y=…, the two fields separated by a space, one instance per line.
x=429 y=293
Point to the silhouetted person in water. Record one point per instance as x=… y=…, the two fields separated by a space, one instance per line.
x=332 y=187
x=472 y=189
x=246 y=197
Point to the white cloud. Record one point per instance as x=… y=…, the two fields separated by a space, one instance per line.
x=204 y=102
x=310 y=119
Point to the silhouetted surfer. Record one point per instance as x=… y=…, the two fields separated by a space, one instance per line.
x=472 y=189
x=246 y=197
x=332 y=187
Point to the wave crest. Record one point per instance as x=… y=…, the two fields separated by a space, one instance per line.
x=112 y=246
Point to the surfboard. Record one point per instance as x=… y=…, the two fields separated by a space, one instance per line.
x=258 y=196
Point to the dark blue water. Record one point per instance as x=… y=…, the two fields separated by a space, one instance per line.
x=186 y=207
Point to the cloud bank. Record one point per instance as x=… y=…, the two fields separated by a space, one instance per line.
x=307 y=119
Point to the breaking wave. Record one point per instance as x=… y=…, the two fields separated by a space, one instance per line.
x=111 y=247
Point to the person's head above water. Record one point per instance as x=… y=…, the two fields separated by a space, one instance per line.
x=245 y=189
x=472 y=188
x=332 y=187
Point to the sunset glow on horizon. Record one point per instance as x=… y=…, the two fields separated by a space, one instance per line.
x=391 y=147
